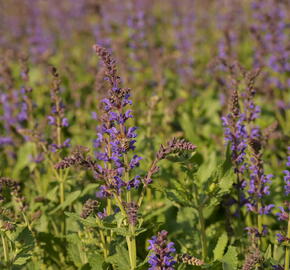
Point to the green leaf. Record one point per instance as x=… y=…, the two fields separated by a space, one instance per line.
x=151 y=214
x=207 y=169
x=122 y=231
x=220 y=246
x=268 y=252
x=120 y=259
x=90 y=221
x=23 y=158
x=89 y=187
x=181 y=157
x=187 y=216
x=96 y=261
x=75 y=249
x=25 y=240
x=143 y=265
x=216 y=265
x=186 y=124
x=52 y=193
x=68 y=201
x=178 y=197
x=51 y=245
x=230 y=259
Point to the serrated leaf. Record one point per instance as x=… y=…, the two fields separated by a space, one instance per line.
x=74 y=249
x=178 y=197
x=230 y=259
x=51 y=245
x=181 y=157
x=96 y=261
x=220 y=246
x=120 y=259
x=25 y=238
x=187 y=216
x=21 y=260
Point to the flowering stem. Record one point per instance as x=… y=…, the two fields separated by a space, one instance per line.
x=109 y=202
x=130 y=240
x=239 y=195
x=62 y=198
x=104 y=244
x=287 y=252
x=59 y=142
x=5 y=249
x=202 y=233
x=131 y=243
x=128 y=194
x=109 y=211
x=260 y=225
x=133 y=247
x=201 y=226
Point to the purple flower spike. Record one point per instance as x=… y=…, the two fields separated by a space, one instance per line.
x=162 y=251
x=287 y=175
x=115 y=138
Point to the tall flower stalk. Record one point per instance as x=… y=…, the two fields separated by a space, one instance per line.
x=236 y=136
x=58 y=121
x=259 y=184
x=284 y=215
x=115 y=140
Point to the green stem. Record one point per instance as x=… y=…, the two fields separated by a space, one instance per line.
x=260 y=225
x=104 y=245
x=133 y=248
x=201 y=225
x=127 y=177
x=5 y=249
x=109 y=212
x=131 y=242
x=120 y=205
x=202 y=234
x=287 y=252
x=62 y=199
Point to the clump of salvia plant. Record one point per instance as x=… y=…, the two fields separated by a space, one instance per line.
x=114 y=164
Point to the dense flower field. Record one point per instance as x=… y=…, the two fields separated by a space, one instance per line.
x=144 y=134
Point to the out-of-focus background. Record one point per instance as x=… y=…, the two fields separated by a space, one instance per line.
x=180 y=58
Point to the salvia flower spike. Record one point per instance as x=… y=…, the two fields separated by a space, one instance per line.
x=162 y=252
